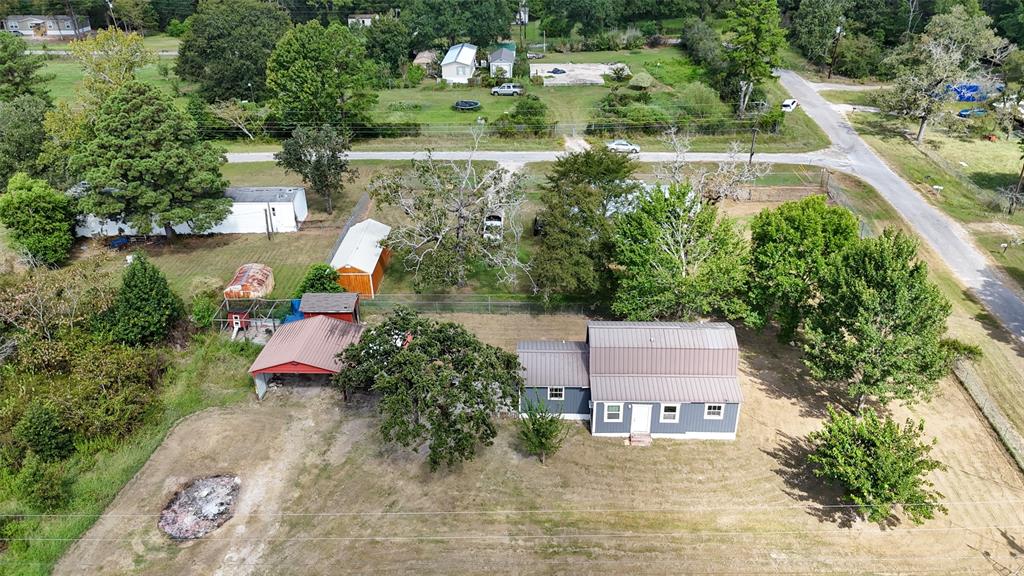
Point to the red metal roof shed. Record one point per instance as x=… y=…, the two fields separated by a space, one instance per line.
x=308 y=346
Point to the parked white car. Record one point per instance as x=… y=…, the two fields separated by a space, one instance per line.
x=507 y=89
x=789 y=105
x=622 y=146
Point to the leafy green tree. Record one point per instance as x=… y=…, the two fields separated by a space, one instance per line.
x=878 y=326
x=577 y=199
x=319 y=278
x=145 y=308
x=880 y=465
x=756 y=40
x=227 y=45
x=541 y=432
x=42 y=433
x=147 y=166
x=303 y=94
x=320 y=156
x=387 y=42
x=483 y=22
x=40 y=219
x=678 y=258
x=790 y=248
x=954 y=48
x=529 y=117
x=590 y=16
x=438 y=384
x=137 y=14
x=19 y=72
x=814 y=28
x=109 y=60
x=21 y=135
x=43 y=486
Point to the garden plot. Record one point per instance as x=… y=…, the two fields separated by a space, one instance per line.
x=575 y=74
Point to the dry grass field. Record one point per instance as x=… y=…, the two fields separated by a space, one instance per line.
x=321 y=495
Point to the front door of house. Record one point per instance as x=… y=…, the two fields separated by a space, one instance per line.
x=640 y=421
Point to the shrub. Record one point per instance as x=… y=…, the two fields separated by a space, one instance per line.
x=319 y=278
x=42 y=486
x=42 y=433
x=414 y=76
x=620 y=73
x=521 y=67
x=541 y=432
x=145 y=308
x=642 y=81
x=704 y=44
x=176 y=28
x=528 y=116
x=404 y=106
x=771 y=121
x=700 y=100
x=110 y=390
x=204 y=310
x=40 y=219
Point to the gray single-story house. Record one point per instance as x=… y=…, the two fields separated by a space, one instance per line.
x=640 y=379
x=40 y=26
x=502 y=59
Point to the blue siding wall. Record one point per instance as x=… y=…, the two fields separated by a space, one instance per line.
x=577 y=400
x=691 y=419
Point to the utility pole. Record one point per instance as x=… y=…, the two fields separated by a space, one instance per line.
x=835 y=49
x=74 y=19
x=753 y=139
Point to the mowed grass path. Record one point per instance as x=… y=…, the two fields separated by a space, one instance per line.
x=67 y=76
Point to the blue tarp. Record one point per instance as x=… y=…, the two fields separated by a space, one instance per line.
x=294 y=315
x=970 y=92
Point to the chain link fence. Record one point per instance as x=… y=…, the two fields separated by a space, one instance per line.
x=470 y=304
x=1006 y=431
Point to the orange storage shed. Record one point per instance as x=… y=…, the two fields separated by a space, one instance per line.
x=361 y=257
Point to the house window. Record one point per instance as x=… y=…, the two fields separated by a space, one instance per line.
x=613 y=412
x=556 y=393
x=714 y=411
x=670 y=413
x=273 y=211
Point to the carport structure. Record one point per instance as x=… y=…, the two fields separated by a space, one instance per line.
x=304 y=351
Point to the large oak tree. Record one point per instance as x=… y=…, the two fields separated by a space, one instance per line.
x=439 y=385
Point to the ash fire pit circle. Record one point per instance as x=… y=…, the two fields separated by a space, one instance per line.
x=200 y=507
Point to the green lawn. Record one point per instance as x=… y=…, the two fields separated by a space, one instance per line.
x=211 y=371
x=852 y=97
x=67 y=76
x=155 y=42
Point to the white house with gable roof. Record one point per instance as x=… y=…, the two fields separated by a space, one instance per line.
x=459 y=63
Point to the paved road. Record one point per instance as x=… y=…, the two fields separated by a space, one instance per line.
x=848 y=153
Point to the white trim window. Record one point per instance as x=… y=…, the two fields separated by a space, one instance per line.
x=714 y=411
x=613 y=412
x=669 y=413
x=556 y=393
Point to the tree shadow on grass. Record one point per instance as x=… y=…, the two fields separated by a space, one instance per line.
x=824 y=501
x=778 y=370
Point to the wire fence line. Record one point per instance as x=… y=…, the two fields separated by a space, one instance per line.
x=469 y=304
x=1007 y=432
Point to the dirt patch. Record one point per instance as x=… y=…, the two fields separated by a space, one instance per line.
x=574 y=74
x=1004 y=228
x=199 y=508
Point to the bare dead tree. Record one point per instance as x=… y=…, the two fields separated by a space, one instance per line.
x=730 y=179
x=455 y=215
x=248 y=119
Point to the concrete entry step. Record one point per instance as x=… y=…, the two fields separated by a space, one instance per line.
x=639 y=439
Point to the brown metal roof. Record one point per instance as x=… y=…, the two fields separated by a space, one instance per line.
x=662 y=335
x=328 y=302
x=683 y=389
x=313 y=342
x=554 y=363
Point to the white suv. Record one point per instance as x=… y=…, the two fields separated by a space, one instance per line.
x=507 y=89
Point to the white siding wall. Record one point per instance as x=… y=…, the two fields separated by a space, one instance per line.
x=506 y=67
x=456 y=73
x=245 y=218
